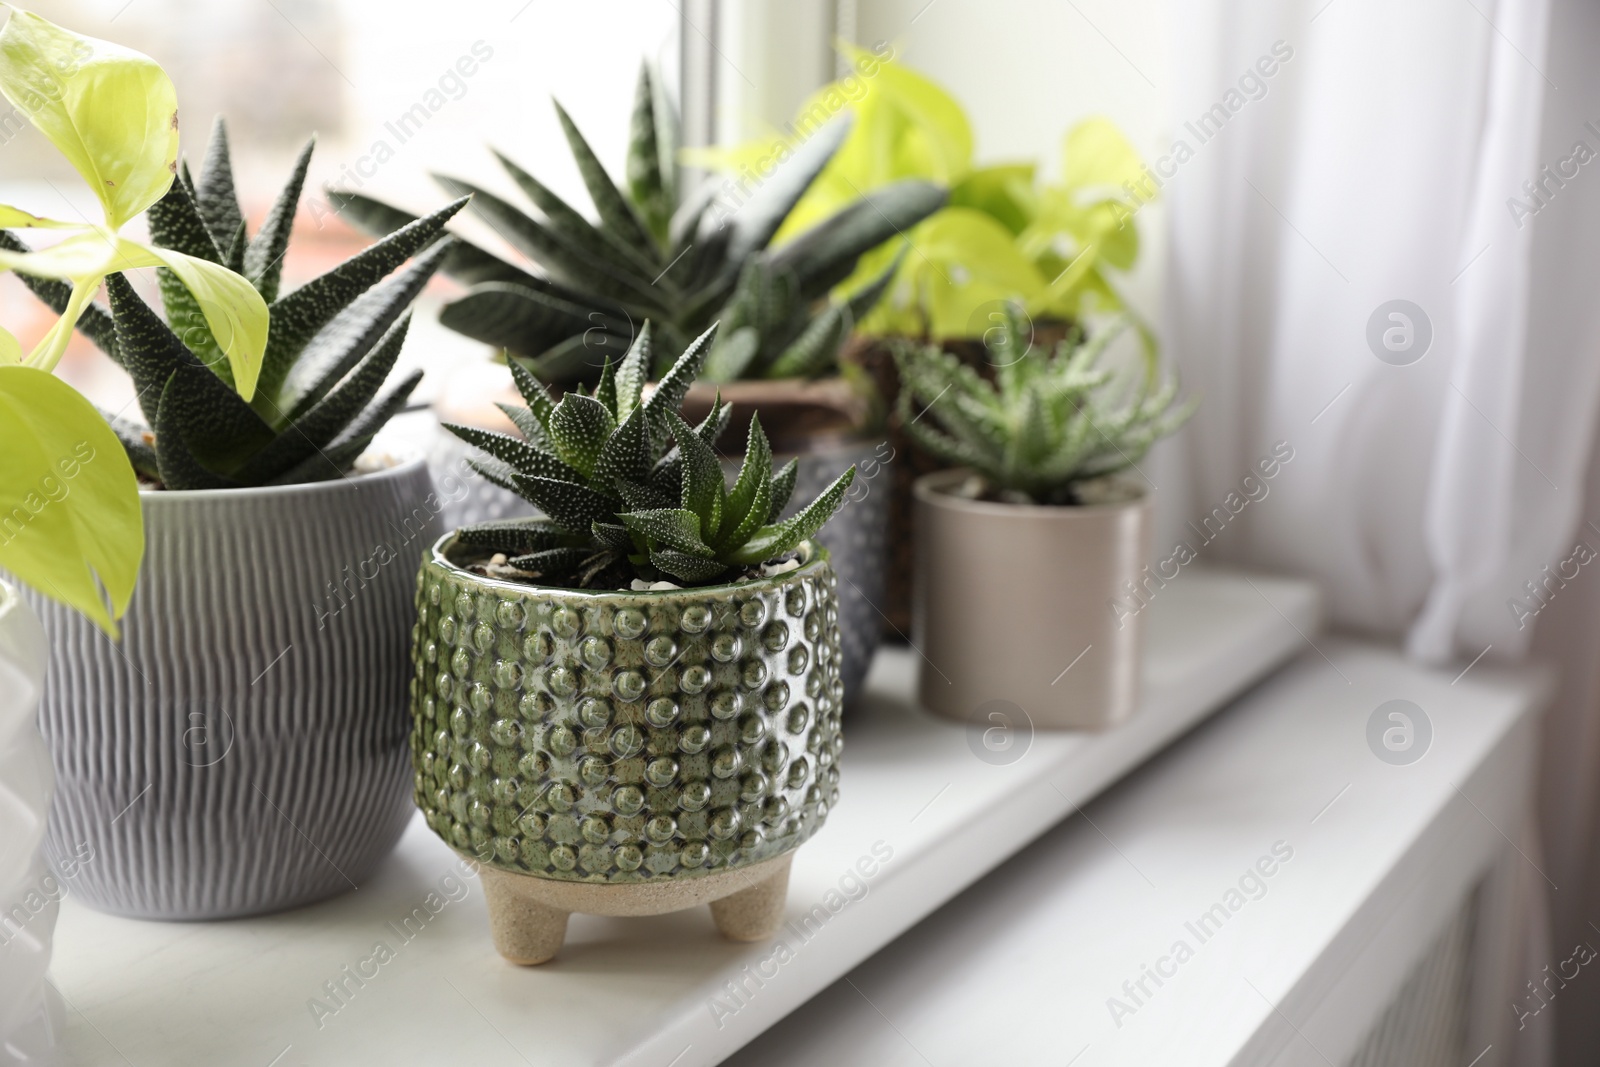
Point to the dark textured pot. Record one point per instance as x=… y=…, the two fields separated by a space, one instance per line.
x=243 y=748
x=905 y=460
x=598 y=751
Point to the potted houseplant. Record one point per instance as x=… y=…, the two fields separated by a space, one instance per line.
x=1005 y=235
x=708 y=260
x=242 y=749
x=1024 y=545
x=69 y=500
x=631 y=706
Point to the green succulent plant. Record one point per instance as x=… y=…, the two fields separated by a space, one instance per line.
x=631 y=491
x=1049 y=422
x=330 y=347
x=707 y=261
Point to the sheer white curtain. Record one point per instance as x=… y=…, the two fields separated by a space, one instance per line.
x=1346 y=155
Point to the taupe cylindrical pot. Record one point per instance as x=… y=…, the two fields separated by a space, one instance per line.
x=1012 y=608
x=243 y=749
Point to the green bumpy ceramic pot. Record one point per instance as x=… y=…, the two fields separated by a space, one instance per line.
x=624 y=737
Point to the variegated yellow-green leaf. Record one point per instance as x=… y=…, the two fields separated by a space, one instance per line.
x=12 y=218
x=69 y=503
x=235 y=313
x=111 y=111
x=1096 y=156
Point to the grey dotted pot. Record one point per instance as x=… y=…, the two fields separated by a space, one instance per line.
x=625 y=753
x=242 y=749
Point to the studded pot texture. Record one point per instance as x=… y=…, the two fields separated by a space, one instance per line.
x=625 y=738
x=856 y=540
x=242 y=749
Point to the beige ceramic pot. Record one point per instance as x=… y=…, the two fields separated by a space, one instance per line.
x=1012 y=608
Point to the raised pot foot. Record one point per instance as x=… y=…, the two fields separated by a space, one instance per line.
x=754 y=912
x=525 y=930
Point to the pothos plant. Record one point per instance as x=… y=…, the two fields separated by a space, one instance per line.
x=69 y=503
x=1050 y=423
x=633 y=494
x=1005 y=235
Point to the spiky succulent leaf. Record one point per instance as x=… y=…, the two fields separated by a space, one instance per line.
x=703 y=488
x=533 y=392
x=552 y=561
x=817 y=349
x=338 y=346
x=579 y=428
x=214 y=191
x=783 y=488
x=616 y=214
x=612 y=535
x=824 y=256
x=685 y=567
x=517 y=454
x=527 y=424
x=626 y=454
x=750 y=501
x=331 y=415
x=496 y=473
x=514 y=536
x=674 y=385
x=573 y=507
x=297 y=317
x=263 y=258
x=1048 y=422
x=178 y=466
x=632 y=373
x=778 y=538
x=760 y=217
x=651 y=156
x=467 y=263
x=677 y=528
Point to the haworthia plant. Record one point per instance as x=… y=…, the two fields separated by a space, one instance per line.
x=1049 y=422
x=710 y=259
x=320 y=397
x=632 y=491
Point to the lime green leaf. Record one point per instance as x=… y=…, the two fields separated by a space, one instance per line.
x=965 y=264
x=12 y=218
x=111 y=111
x=235 y=314
x=69 y=501
x=1096 y=154
x=10 y=348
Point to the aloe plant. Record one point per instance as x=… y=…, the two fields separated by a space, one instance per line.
x=682 y=269
x=1049 y=422
x=316 y=401
x=631 y=491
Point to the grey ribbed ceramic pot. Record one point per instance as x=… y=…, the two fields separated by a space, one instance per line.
x=856 y=540
x=244 y=748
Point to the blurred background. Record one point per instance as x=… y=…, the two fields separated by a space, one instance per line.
x=1339 y=159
